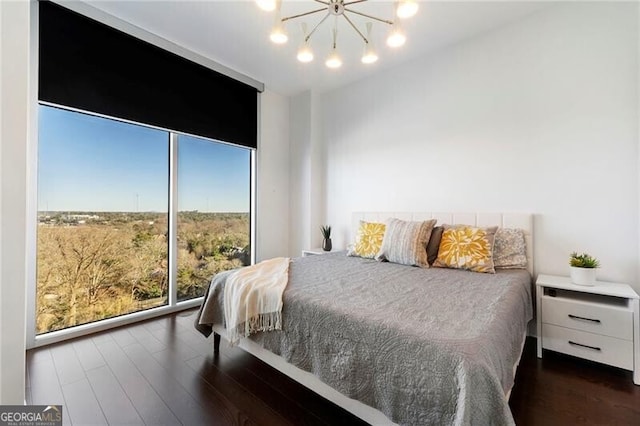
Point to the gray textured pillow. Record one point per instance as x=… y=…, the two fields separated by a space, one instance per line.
x=510 y=249
x=405 y=242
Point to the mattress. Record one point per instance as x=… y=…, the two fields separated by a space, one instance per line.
x=423 y=346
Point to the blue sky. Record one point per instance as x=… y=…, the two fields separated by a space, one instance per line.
x=88 y=163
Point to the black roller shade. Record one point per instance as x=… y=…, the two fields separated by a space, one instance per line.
x=87 y=65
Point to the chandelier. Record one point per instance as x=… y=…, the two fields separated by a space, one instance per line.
x=338 y=9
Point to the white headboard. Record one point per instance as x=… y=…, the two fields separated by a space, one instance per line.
x=522 y=221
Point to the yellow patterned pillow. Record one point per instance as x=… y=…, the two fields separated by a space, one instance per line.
x=369 y=240
x=467 y=247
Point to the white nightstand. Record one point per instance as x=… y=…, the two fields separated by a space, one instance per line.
x=314 y=251
x=600 y=323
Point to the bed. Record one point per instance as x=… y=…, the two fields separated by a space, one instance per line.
x=393 y=343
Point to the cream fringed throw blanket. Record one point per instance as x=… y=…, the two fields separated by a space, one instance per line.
x=253 y=298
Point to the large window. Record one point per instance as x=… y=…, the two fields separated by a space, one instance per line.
x=133 y=217
x=104 y=212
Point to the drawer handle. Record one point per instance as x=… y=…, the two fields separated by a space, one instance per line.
x=584 y=346
x=583 y=318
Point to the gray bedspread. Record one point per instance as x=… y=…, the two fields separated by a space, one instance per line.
x=424 y=346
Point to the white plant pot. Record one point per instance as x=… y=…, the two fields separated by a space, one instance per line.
x=583 y=276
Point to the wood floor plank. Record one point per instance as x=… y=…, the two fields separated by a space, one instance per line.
x=149 y=405
x=559 y=389
x=67 y=364
x=82 y=405
x=115 y=404
x=179 y=401
x=191 y=337
x=155 y=324
x=40 y=355
x=27 y=384
x=271 y=395
x=123 y=337
x=304 y=396
x=87 y=353
x=101 y=337
x=46 y=388
x=139 y=332
x=214 y=401
x=256 y=409
x=175 y=337
x=152 y=344
x=184 y=352
x=27 y=395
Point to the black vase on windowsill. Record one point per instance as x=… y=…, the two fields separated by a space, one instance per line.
x=326 y=244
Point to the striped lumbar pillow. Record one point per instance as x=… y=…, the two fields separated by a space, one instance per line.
x=406 y=242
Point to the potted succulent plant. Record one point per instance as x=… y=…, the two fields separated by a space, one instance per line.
x=326 y=235
x=583 y=268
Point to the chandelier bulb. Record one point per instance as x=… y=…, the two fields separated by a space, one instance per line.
x=333 y=61
x=305 y=54
x=278 y=34
x=369 y=56
x=267 y=5
x=396 y=37
x=406 y=9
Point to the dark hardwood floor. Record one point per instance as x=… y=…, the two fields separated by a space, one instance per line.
x=163 y=372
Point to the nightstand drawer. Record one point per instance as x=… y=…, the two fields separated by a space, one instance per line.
x=608 y=350
x=610 y=321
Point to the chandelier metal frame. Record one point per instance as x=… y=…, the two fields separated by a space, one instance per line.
x=337 y=8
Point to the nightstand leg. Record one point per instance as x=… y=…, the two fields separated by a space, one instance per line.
x=636 y=341
x=539 y=290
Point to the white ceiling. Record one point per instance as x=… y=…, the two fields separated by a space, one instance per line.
x=236 y=34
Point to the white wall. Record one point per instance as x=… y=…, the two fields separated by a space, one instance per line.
x=273 y=177
x=307 y=172
x=14 y=114
x=539 y=116
x=300 y=172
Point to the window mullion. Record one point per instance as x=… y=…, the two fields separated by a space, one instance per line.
x=173 y=219
x=253 y=209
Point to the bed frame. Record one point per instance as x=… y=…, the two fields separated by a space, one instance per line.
x=369 y=414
